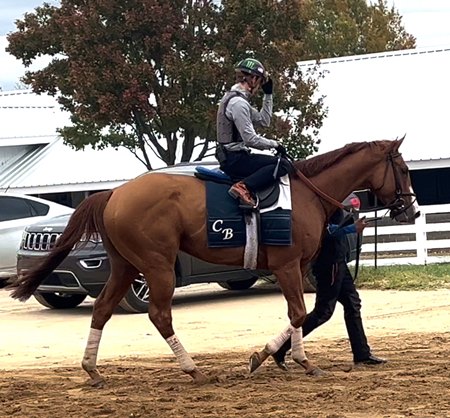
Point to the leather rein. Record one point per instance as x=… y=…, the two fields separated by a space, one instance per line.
x=319 y=192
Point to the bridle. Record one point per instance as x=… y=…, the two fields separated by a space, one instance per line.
x=397 y=206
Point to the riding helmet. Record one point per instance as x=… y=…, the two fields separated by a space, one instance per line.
x=251 y=66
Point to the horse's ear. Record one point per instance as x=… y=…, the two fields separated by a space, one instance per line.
x=397 y=143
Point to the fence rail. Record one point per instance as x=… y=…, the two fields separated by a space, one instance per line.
x=425 y=242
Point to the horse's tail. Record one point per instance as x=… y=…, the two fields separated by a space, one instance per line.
x=85 y=222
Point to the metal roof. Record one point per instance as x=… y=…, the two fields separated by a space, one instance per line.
x=58 y=168
x=42 y=163
x=28 y=118
x=369 y=97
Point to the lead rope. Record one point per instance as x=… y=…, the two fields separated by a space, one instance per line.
x=358 y=254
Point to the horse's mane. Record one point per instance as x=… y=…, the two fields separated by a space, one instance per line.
x=314 y=165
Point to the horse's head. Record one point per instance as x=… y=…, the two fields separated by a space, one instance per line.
x=392 y=185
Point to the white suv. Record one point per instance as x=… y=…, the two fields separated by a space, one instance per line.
x=17 y=212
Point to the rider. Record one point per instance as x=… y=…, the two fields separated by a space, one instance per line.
x=236 y=121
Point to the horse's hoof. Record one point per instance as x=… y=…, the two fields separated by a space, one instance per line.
x=203 y=380
x=98 y=382
x=200 y=378
x=316 y=372
x=254 y=362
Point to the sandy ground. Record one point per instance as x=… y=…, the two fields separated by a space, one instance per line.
x=40 y=352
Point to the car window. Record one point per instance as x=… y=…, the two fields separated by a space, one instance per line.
x=18 y=208
x=39 y=208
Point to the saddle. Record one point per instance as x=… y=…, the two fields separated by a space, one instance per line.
x=264 y=198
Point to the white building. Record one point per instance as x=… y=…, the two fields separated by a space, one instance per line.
x=369 y=97
x=388 y=95
x=34 y=160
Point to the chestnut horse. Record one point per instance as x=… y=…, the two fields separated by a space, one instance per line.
x=144 y=223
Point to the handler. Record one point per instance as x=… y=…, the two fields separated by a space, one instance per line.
x=335 y=283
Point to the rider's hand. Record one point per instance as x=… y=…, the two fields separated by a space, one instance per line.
x=360 y=224
x=267 y=87
x=281 y=150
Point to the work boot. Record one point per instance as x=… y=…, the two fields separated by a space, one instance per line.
x=280 y=361
x=371 y=361
x=239 y=191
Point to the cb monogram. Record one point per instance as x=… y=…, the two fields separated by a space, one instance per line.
x=226 y=232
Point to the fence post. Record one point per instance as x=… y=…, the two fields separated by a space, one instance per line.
x=421 y=238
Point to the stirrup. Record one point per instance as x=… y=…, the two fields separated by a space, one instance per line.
x=246 y=206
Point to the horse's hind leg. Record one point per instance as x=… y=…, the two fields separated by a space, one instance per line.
x=121 y=276
x=162 y=288
x=290 y=281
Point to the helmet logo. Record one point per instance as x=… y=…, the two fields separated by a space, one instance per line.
x=250 y=64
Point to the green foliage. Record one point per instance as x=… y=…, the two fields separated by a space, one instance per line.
x=148 y=74
x=353 y=27
x=432 y=276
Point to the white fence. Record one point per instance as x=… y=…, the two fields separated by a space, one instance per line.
x=409 y=244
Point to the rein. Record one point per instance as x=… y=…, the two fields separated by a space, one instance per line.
x=315 y=189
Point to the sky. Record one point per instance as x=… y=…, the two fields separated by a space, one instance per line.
x=427 y=20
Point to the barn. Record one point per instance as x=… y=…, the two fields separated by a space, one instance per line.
x=389 y=95
x=368 y=97
x=35 y=161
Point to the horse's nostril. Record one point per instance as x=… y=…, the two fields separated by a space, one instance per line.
x=417 y=214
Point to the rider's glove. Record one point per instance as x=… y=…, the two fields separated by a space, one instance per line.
x=267 y=87
x=281 y=150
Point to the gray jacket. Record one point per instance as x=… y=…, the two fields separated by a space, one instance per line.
x=244 y=117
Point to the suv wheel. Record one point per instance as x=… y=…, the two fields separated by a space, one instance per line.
x=59 y=300
x=137 y=298
x=239 y=284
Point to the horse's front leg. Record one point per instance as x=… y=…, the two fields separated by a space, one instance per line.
x=161 y=290
x=290 y=281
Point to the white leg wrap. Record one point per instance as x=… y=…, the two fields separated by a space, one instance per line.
x=298 y=351
x=274 y=345
x=91 y=351
x=185 y=360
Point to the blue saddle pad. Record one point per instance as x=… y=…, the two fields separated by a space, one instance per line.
x=226 y=225
x=226 y=222
x=215 y=174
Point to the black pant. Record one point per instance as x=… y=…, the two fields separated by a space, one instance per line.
x=255 y=170
x=329 y=291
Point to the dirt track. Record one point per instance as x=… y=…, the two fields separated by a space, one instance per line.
x=415 y=382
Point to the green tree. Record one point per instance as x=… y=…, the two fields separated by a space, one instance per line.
x=352 y=27
x=148 y=74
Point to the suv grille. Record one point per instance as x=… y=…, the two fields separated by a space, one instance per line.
x=39 y=241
